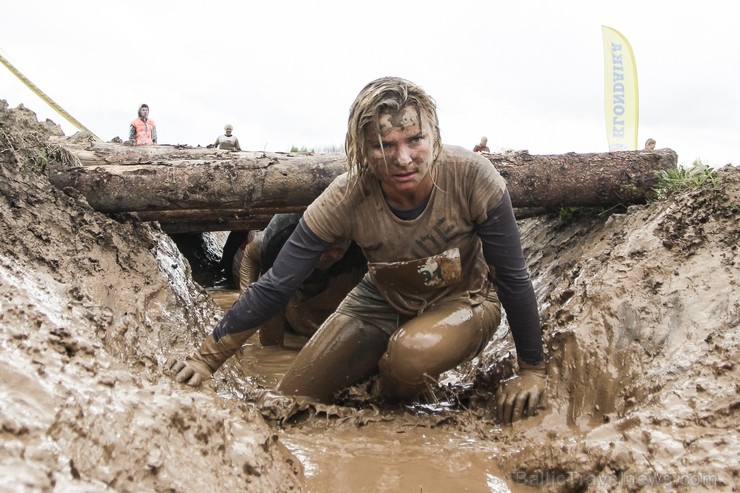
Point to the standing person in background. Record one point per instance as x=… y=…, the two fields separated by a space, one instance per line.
x=437 y=227
x=483 y=146
x=143 y=130
x=228 y=141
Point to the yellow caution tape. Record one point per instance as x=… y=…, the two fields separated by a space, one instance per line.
x=46 y=98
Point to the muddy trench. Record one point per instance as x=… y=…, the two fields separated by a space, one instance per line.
x=640 y=314
x=362 y=448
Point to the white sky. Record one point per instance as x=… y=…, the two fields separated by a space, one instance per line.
x=527 y=74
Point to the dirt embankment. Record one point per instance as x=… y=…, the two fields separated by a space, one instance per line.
x=89 y=307
x=640 y=314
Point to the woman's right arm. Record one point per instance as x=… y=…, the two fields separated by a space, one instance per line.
x=271 y=292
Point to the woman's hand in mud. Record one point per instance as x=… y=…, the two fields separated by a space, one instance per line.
x=192 y=373
x=520 y=396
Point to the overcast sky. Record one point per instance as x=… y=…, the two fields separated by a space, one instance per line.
x=527 y=74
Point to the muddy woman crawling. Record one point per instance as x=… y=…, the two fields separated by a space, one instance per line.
x=437 y=228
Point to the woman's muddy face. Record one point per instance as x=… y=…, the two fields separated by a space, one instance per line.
x=400 y=157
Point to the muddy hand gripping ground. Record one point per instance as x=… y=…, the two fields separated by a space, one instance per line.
x=640 y=315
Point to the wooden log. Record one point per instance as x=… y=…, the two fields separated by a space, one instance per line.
x=582 y=180
x=196 y=178
x=168 y=184
x=182 y=226
x=215 y=214
x=194 y=220
x=91 y=153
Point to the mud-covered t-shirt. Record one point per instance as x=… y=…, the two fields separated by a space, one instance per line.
x=436 y=255
x=228 y=142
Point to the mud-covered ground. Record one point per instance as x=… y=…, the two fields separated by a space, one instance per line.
x=640 y=313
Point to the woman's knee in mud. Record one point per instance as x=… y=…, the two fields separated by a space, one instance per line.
x=405 y=369
x=432 y=343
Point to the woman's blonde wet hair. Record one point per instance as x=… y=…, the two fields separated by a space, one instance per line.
x=384 y=95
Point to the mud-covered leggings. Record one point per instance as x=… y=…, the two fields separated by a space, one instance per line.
x=365 y=336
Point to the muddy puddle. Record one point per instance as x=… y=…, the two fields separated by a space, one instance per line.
x=380 y=457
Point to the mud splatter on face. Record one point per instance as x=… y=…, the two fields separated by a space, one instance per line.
x=403 y=118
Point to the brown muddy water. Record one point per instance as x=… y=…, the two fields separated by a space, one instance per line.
x=378 y=457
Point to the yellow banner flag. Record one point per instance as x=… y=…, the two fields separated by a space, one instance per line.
x=620 y=91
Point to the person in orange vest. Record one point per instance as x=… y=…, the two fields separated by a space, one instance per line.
x=143 y=130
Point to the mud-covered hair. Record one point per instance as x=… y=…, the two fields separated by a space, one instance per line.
x=384 y=95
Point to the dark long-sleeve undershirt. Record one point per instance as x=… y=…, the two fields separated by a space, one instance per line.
x=264 y=298
x=503 y=252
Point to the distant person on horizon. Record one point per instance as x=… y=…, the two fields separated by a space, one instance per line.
x=650 y=145
x=143 y=130
x=482 y=146
x=227 y=140
x=436 y=225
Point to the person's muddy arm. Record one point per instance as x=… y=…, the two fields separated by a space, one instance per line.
x=503 y=252
x=272 y=291
x=249 y=268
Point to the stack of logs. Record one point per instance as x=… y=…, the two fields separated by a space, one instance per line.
x=190 y=189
